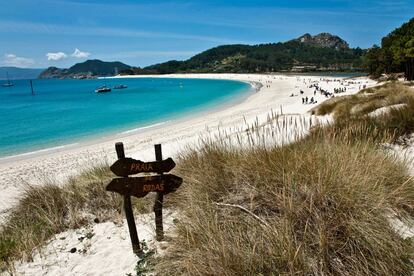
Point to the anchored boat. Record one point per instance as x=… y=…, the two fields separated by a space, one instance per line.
x=103 y=89
x=8 y=83
x=121 y=86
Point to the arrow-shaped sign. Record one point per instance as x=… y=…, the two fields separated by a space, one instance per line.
x=141 y=186
x=129 y=166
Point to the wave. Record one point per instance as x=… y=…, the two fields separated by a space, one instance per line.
x=38 y=151
x=144 y=127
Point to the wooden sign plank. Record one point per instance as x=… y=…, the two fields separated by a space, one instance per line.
x=141 y=186
x=129 y=166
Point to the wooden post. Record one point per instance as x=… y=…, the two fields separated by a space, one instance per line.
x=158 y=201
x=31 y=86
x=119 y=147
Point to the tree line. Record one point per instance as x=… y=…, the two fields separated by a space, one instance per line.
x=395 y=55
x=270 y=57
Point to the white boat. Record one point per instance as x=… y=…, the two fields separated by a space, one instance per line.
x=8 y=83
x=121 y=86
x=103 y=89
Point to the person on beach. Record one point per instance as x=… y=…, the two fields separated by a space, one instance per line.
x=306 y=100
x=303 y=100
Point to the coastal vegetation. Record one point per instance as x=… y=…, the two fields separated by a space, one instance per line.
x=394 y=100
x=324 y=204
x=395 y=55
x=46 y=210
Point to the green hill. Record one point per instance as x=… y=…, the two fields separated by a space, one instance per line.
x=87 y=69
x=323 y=52
x=97 y=67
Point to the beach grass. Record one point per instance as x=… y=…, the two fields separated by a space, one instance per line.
x=46 y=210
x=316 y=207
x=395 y=121
x=366 y=101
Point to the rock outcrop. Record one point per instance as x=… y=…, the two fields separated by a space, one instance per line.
x=325 y=40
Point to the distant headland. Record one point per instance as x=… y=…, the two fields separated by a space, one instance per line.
x=85 y=70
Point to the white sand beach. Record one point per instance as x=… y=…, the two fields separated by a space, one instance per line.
x=274 y=95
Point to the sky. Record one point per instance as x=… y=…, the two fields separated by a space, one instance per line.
x=43 y=33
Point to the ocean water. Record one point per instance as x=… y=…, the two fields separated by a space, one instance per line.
x=68 y=111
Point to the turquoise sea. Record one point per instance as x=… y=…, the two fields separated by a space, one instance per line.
x=69 y=111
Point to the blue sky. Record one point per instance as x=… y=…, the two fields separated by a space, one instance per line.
x=42 y=33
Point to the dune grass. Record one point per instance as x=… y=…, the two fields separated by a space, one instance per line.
x=46 y=210
x=353 y=112
x=316 y=207
x=366 y=101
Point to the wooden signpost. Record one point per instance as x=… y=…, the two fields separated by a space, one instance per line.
x=140 y=186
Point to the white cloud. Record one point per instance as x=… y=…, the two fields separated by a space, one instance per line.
x=13 y=60
x=56 y=56
x=79 y=54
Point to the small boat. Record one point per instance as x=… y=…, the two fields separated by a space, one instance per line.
x=103 y=89
x=8 y=83
x=121 y=86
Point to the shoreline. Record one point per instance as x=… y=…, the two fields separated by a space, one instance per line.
x=175 y=135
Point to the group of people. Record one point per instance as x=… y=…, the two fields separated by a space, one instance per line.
x=363 y=86
x=267 y=84
x=317 y=88
x=324 y=92
x=339 y=90
x=307 y=101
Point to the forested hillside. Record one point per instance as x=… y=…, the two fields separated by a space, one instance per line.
x=323 y=52
x=396 y=53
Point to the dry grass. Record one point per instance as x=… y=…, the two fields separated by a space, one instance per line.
x=352 y=113
x=324 y=209
x=44 y=211
x=366 y=101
